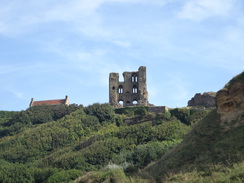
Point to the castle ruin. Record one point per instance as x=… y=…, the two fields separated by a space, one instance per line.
x=131 y=92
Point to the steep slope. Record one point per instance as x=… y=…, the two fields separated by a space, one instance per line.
x=230 y=103
x=217 y=139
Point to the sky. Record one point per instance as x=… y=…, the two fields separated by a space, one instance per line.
x=53 y=48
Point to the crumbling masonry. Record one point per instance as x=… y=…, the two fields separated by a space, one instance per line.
x=131 y=92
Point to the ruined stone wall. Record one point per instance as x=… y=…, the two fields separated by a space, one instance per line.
x=206 y=99
x=131 y=92
x=142 y=87
x=158 y=109
x=113 y=89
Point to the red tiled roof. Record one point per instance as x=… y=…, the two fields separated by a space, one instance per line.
x=49 y=102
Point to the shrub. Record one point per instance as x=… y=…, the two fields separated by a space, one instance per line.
x=104 y=112
x=7 y=115
x=38 y=115
x=111 y=175
x=138 y=134
x=91 y=122
x=181 y=114
x=162 y=117
x=42 y=174
x=64 y=176
x=170 y=131
x=15 y=173
x=143 y=154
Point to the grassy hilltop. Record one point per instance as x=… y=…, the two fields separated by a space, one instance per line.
x=100 y=144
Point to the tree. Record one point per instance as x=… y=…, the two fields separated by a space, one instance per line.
x=104 y=112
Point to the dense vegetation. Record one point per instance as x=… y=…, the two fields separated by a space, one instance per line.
x=13 y=122
x=210 y=152
x=96 y=143
x=60 y=143
x=7 y=115
x=207 y=150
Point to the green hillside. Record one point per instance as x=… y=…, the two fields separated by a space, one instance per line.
x=206 y=150
x=210 y=152
x=98 y=143
x=50 y=144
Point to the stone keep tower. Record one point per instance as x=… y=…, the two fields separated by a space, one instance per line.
x=131 y=92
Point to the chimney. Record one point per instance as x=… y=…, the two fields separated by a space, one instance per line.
x=67 y=100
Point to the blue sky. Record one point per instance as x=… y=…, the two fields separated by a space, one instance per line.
x=53 y=48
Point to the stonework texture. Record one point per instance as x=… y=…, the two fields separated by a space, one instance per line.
x=158 y=109
x=131 y=92
x=206 y=99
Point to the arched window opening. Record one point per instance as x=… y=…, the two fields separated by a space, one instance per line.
x=134 y=77
x=135 y=102
x=113 y=88
x=134 y=89
x=120 y=89
x=121 y=102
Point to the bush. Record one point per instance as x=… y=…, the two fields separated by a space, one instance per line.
x=15 y=173
x=38 y=115
x=142 y=155
x=100 y=152
x=104 y=112
x=181 y=114
x=112 y=175
x=64 y=176
x=162 y=117
x=171 y=131
x=146 y=153
x=42 y=174
x=91 y=122
x=189 y=116
x=7 y=115
x=197 y=115
x=138 y=134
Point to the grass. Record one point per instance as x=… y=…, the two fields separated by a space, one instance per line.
x=217 y=173
x=206 y=145
x=112 y=175
x=238 y=78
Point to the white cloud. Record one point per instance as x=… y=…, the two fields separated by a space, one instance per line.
x=157 y=2
x=18 y=17
x=199 y=10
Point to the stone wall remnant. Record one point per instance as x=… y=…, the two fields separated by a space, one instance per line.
x=131 y=92
x=206 y=99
